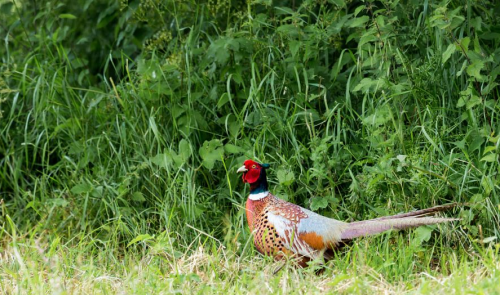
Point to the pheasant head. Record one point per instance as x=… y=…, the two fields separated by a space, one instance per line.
x=255 y=174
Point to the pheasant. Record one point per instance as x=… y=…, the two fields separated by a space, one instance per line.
x=282 y=229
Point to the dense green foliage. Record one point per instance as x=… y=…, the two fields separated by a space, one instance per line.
x=126 y=121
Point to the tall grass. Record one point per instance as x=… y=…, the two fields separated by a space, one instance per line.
x=122 y=126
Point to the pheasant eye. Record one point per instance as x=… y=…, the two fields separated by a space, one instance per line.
x=253 y=166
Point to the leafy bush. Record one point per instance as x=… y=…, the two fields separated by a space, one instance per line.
x=124 y=118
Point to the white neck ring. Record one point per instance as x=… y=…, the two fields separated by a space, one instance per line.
x=259 y=196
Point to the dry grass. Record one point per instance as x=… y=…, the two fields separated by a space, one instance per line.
x=28 y=267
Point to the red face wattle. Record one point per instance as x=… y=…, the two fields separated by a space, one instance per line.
x=253 y=171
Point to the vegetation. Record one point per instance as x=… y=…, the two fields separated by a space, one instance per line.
x=122 y=125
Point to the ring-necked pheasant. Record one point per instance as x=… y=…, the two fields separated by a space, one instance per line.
x=282 y=229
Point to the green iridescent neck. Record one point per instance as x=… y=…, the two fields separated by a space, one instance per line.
x=260 y=186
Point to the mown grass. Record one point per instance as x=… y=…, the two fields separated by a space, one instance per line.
x=122 y=125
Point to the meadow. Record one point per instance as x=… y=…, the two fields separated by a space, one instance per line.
x=122 y=125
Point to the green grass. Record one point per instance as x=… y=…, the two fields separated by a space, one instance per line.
x=122 y=125
x=34 y=266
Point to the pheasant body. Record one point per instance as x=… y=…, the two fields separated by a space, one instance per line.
x=282 y=229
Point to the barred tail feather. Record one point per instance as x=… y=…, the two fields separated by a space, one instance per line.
x=375 y=226
x=420 y=212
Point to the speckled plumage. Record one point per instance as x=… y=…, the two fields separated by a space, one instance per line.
x=282 y=229
x=266 y=237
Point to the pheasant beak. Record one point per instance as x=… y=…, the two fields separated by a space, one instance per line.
x=242 y=169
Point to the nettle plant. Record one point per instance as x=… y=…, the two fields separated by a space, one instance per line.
x=361 y=98
x=365 y=106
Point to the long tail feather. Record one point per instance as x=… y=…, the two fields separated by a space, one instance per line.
x=420 y=212
x=371 y=227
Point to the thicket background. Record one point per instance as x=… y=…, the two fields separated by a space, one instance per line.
x=123 y=122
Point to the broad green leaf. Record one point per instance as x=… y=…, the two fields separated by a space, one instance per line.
x=285 y=177
x=254 y=118
x=473 y=101
x=234 y=128
x=97 y=191
x=60 y=202
x=358 y=21
x=81 y=188
x=491 y=157
x=140 y=238
x=289 y=30
x=210 y=152
x=477 y=47
x=460 y=144
x=461 y=102
x=6 y=7
x=365 y=84
x=381 y=116
x=477 y=198
x=462 y=68
x=177 y=111
x=486 y=90
x=423 y=234
x=184 y=150
x=318 y=202
x=474 y=70
x=67 y=15
x=381 y=19
x=487 y=185
x=490 y=36
x=493 y=139
x=476 y=141
x=456 y=21
x=359 y=9
x=178 y=161
x=219 y=50
x=473 y=229
x=465 y=96
x=367 y=37
x=224 y=98
x=449 y=51
x=233 y=149
x=339 y=3
x=438 y=21
x=162 y=160
x=489 y=149
x=337 y=26
x=476 y=23
x=138 y=197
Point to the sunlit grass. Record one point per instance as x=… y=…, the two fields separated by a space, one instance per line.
x=36 y=266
